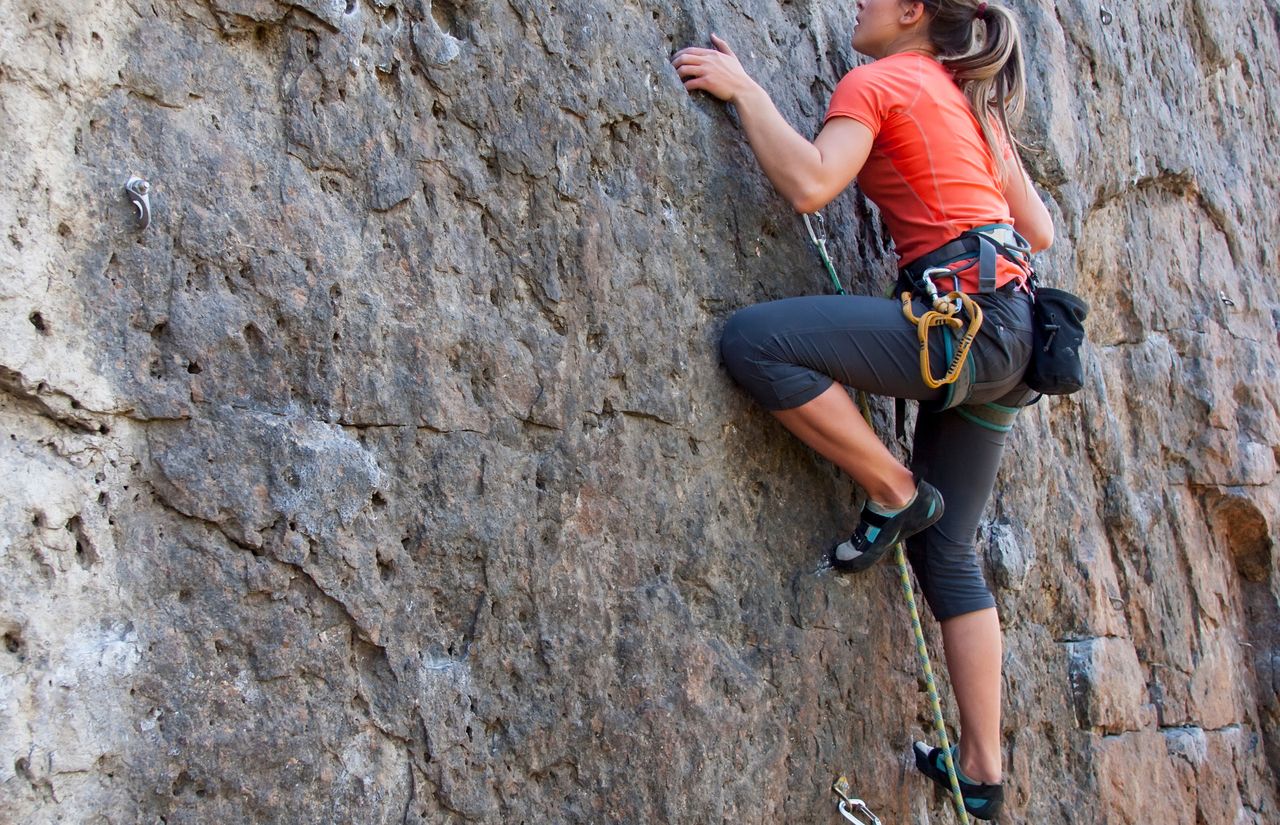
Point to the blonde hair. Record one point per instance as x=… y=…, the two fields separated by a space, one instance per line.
x=989 y=70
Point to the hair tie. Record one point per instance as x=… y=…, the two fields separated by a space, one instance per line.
x=981 y=13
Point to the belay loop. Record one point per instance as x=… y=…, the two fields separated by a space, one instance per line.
x=946 y=312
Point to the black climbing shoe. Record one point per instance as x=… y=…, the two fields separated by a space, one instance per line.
x=875 y=534
x=980 y=800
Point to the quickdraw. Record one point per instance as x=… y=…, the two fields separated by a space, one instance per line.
x=851 y=807
x=946 y=312
x=819 y=239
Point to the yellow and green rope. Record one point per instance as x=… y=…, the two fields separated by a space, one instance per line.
x=935 y=704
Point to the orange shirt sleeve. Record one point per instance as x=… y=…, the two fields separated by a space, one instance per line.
x=862 y=95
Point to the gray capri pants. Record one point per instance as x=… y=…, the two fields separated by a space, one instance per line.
x=788 y=352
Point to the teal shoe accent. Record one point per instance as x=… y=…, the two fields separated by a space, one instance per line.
x=877 y=532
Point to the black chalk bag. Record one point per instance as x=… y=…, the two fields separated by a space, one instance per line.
x=1058 y=337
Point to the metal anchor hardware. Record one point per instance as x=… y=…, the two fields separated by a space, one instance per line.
x=139 y=192
x=1105 y=14
x=819 y=238
x=850 y=808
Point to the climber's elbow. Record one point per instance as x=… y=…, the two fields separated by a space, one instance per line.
x=1041 y=238
x=806 y=199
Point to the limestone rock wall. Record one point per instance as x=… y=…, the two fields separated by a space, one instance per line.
x=390 y=474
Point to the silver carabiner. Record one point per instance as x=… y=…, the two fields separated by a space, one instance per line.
x=857 y=805
x=849 y=805
x=936 y=300
x=819 y=241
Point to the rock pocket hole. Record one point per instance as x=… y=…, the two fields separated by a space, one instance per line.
x=182 y=784
x=352 y=6
x=449 y=18
x=1244 y=528
x=13 y=642
x=194 y=368
x=254 y=338
x=86 y=552
x=37 y=321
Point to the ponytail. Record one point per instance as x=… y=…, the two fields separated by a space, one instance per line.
x=989 y=70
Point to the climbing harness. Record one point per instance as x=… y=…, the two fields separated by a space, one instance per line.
x=851 y=807
x=945 y=312
x=819 y=239
x=982 y=246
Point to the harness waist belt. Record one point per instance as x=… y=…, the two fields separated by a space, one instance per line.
x=987 y=242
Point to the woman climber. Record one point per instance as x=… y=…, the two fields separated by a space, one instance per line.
x=924 y=129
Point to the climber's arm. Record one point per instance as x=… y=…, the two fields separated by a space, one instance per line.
x=808 y=175
x=1030 y=216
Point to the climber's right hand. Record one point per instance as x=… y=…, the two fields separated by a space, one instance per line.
x=717 y=71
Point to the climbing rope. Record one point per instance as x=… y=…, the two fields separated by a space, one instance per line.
x=849 y=806
x=946 y=312
x=935 y=704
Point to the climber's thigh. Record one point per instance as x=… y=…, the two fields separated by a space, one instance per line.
x=788 y=352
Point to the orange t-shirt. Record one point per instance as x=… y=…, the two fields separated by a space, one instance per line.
x=930 y=170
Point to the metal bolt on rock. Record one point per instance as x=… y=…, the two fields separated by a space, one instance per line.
x=139 y=192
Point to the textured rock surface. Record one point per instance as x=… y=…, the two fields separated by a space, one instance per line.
x=390 y=475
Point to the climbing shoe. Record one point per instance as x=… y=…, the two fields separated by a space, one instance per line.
x=877 y=531
x=980 y=800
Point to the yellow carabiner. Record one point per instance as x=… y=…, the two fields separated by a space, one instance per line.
x=944 y=313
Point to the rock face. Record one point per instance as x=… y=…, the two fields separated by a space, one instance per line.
x=390 y=473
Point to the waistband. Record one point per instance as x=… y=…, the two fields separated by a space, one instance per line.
x=980 y=245
x=950 y=283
